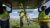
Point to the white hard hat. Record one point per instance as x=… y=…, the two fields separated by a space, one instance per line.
x=3 y=5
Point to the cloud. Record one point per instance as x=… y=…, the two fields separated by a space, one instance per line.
x=33 y=14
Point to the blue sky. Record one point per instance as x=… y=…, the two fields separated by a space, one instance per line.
x=32 y=14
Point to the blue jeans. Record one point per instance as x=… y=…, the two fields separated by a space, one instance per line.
x=4 y=24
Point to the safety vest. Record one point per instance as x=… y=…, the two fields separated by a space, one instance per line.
x=27 y=17
x=43 y=17
x=4 y=16
x=22 y=14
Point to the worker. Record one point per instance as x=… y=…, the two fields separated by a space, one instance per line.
x=21 y=17
x=28 y=19
x=43 y=18
x=4 y=17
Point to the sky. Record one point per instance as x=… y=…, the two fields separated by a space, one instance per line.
x=33 y=14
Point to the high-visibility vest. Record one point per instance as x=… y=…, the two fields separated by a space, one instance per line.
x=27 y=17
x=22 y=14
x=5 y=14
x=43 y=17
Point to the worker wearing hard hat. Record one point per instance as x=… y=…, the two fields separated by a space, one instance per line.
x=4 y=17
x=21 y=17
x=43 y=18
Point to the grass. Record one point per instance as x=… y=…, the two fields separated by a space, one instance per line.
x=16 y=24
x=32 y=25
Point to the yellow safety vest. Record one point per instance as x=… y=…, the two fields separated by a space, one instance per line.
x=27 y=17
x=3 y=15
x=43 y=17
x=22 y=14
